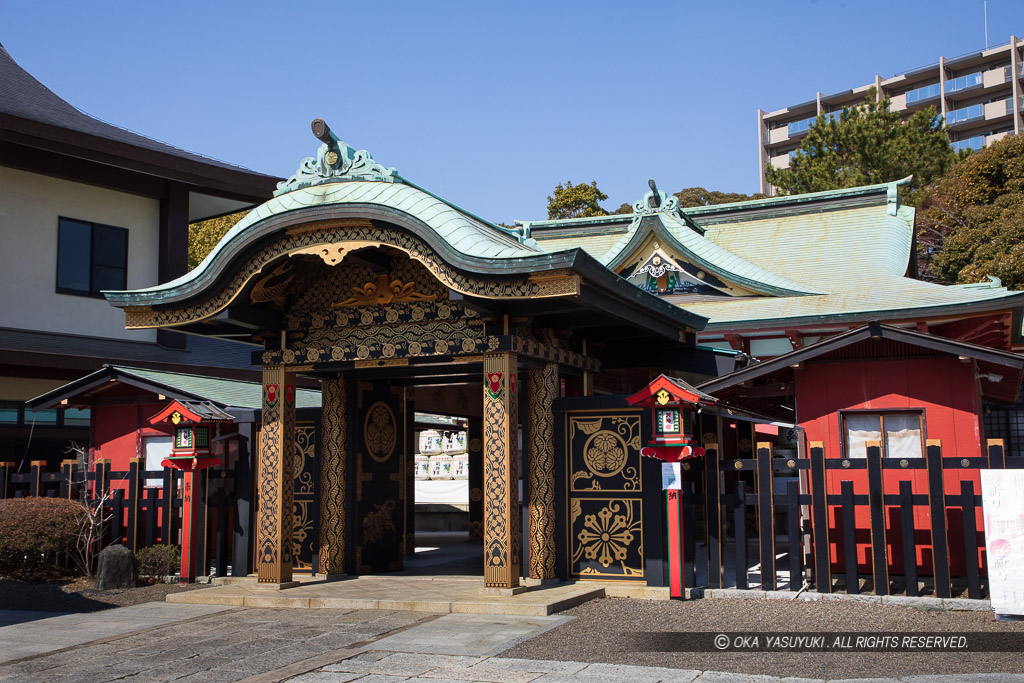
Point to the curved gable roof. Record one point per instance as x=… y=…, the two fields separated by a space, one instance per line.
x=700 y=251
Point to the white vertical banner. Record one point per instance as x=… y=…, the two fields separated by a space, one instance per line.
x=671 y=476
x=1003 y=507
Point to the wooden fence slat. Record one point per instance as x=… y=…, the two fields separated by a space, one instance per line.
x=712 y=511
x=819 y=519
x=795 y=544
x=908 y=536
x=766 y=515
x=167 y=528
x=996 y=454
x=132 y=503
x=6 y=469
x=35 y=471
x=876 y=507
x=67 y=468
x=740 y=533
x=849 y=538
x=970 y=521
x=150 y=503
x=937 y=508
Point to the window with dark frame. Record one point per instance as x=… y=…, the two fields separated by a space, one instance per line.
x=91 y=257
x=900 y=433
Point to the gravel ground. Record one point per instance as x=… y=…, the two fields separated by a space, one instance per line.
x=79 y=596
x=602 y=633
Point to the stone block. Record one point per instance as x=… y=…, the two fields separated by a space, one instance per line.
x=342 y=603
x=275 y=601
x=965 y=604
x=873 y=599
x=735 y=594
x=917 y=602
x=116 y=569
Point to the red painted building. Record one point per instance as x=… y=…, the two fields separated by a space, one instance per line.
x=902 y=389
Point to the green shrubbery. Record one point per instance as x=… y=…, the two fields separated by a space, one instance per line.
x=159 y=560
x=34 y=531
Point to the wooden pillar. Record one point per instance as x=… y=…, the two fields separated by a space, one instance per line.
x=501 y=471
x=543 y=386
x=276 y=485
x=475 y=447
x=332 y=476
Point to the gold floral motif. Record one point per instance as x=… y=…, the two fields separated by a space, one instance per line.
x=383 y=291
x=377 y=521
x=379 y=431
x=605 y=454
x=608 y=535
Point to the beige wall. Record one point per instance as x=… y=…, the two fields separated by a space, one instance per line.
x=24 y=388
x=29 y=207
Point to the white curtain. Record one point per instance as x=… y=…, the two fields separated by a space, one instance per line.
x=859 y=430
x=903 y=435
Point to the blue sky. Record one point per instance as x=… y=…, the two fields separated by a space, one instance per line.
x=490 y=104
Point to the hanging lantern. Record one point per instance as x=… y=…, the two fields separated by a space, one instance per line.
x=672 y=405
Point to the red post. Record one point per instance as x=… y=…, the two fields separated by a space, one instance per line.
x=188 y=570
x=676 y=564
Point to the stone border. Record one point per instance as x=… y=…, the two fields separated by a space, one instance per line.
x=957 y=604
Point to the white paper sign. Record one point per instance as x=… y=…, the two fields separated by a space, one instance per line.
x=671 y=477
x=1004 y=538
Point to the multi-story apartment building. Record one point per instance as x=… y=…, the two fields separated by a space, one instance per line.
x=979 y=95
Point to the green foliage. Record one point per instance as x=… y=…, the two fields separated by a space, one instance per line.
x=576 y=201
x=204 y=235
x=971 y=222
x=698 y=196
x=866 y=145
x=159 y=560
x=34 y=530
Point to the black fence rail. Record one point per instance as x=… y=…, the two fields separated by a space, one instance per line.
x=810 y=525
x=138 y=515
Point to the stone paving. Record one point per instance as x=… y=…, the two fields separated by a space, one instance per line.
x=441 y=594
x=160 y=642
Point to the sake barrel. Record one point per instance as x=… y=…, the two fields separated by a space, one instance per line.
x=422 y=467
x=441 y=466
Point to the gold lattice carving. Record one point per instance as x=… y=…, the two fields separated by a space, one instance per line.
x=276 y=477
x=302 y=529
x=333 y=232
x=543 y=385
x=332 y=475
x=382 y=292
x=501 y=505
x=556 y=283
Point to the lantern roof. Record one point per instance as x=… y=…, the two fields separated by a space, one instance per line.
x=191 y=412
x=664 y=390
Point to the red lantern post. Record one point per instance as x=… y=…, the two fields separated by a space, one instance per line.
x=191 y=451
x=672 y=404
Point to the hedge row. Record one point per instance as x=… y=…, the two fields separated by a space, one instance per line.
x=35 y=530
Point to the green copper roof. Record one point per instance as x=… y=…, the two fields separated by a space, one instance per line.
x=228 y=393
x=840 y=254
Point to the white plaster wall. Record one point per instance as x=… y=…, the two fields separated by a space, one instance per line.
x=30 y=205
